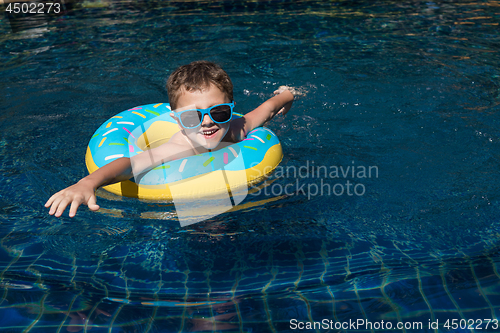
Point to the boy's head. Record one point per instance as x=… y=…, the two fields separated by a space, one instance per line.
x=194 y=89
x=198 y=76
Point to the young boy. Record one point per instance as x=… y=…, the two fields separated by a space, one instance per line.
x=201 y=95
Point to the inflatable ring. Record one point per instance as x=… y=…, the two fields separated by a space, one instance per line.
x=230 y=169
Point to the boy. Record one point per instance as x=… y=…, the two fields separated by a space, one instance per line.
x=201 y=95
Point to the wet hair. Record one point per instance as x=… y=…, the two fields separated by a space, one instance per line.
x=198 y=76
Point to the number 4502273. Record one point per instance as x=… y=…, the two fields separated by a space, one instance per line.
x=33 y=8
x=478 y=324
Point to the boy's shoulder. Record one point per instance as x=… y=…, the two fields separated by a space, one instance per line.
x=236 y=131
x=178 y=139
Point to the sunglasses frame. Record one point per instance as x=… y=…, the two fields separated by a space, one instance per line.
x=203 y=113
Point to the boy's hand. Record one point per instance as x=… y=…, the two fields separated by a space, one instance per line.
x=80 y=193
x=287 y=106
x=295 y=91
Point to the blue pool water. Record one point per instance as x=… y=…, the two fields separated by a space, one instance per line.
x=407 y=90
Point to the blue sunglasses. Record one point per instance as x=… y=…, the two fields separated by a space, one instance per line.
x=220 y=114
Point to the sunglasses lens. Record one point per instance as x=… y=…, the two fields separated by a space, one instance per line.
x=221 y=113
x=191 y=118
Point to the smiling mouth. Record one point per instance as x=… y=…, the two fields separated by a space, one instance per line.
x=210 y=133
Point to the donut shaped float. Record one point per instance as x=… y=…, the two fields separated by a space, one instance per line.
x=227 y=170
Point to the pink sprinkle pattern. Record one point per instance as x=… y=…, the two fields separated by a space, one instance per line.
x=129 y=132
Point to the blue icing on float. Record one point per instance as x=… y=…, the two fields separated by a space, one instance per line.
x=134 y=131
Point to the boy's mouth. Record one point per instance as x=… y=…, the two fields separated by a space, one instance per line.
x=208 y=134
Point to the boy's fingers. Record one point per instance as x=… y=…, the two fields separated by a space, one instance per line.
x=74 y=207
x=54 y=202
x=53 y=205
x=62 y=206
x=92 y=204
x=51 y=199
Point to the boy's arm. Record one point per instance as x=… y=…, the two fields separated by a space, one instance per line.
x=118 y=170
x=279 y=104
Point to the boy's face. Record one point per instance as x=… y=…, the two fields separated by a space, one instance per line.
x=209 y=133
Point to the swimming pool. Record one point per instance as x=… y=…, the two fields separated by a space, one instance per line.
x=405 y=95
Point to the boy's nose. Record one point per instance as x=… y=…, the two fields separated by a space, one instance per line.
x=206 y=120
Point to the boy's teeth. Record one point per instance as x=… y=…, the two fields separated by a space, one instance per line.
x=209 y=132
